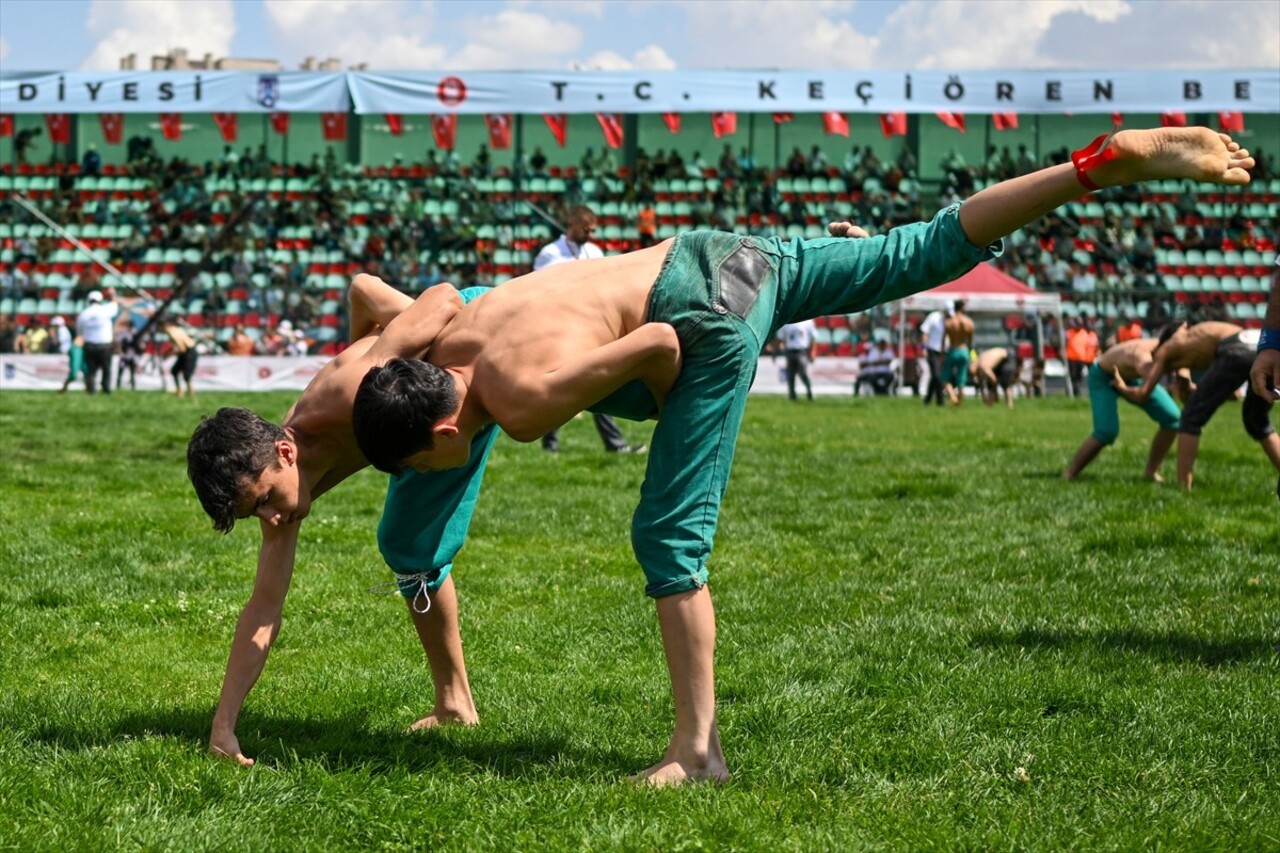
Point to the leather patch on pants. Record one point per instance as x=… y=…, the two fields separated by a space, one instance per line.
x=741 y=276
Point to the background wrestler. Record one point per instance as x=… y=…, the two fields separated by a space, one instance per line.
x=1217 y=349
x=1126 y=364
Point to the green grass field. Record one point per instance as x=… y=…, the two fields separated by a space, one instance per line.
x=927 y=642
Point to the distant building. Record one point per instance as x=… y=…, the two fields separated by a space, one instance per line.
x=179 y=59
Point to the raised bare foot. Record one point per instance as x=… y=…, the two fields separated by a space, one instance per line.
x=1155 y=478
x=1195 y=153
x=670 y=771
x=446 y=718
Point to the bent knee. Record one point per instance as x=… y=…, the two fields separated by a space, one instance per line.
x=1106 y=438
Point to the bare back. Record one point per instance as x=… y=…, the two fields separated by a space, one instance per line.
x=958 y=330
x=1196 y=347
x=540 y=321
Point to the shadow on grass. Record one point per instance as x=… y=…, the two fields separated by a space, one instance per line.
x=1166 y=647
x=343 y=744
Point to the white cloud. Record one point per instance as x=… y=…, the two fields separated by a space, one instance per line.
x=4 y=47
x=516 y=39
x=769 y=34
x=151 y=27
x=650 y=58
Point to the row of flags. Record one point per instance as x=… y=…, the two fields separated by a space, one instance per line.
x=445 y=127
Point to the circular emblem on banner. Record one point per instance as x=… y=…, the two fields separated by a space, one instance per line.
x=451 y=91
x=264 y=372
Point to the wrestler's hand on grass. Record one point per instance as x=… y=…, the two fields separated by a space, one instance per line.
x=1264 y=378
x=226 y=747
x=846 y=229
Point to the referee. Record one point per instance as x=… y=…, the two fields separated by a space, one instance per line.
x=96 y=327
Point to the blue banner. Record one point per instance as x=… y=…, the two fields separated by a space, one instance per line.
x=550 y=92
x=174 y=92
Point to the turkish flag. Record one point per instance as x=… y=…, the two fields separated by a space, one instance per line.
x=893 y=124
x=1231 y=122
x=112 y=127
x=1117 y=119
x=59 y=125
x=228 y=124
x=1173 y=119
x=558 y=123
x=955 y=120
x=395 y=122
x=443 y=127
x=672 y=121
x=783 y=118
x=280 y=123
x=6 y=126
x=835 y=124
x=724 y=124
x=1005 y=121
x=334 y=126
x=171 y=126
x=499 y=125
x=611 y=124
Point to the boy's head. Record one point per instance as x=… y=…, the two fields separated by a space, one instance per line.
x=226 y=455
x=398 y=412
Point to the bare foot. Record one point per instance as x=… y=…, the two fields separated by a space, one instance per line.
x=670 y=772
x=1196 y=153
x=1155 y=478
x=445 y=718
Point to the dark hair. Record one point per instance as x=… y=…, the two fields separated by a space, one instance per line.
x=1168 y=332
x=226 y=452
x=396 y=406
x=958 y=305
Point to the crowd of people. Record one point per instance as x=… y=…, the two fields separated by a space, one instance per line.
x=262 y=259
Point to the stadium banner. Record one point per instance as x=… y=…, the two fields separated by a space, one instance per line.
x=176 y=92
x=829 y=375
x=928 y=91
x=213 y=373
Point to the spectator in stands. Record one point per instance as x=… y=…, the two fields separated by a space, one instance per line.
x=96 y=327
x=1217 y=349
x=35 y=338
x=9 y=334
x=240 y=343
x=1082 y=281
x=91 y=162
x=817 y=162
x=23 y=140
x=575 y=245
x=798 y=344
x=60 y=340
x=647 y=225
x=728 y=165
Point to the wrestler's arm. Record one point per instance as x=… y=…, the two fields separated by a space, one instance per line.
x=1158 y=367
x=411 y=333
x=256 y=630
x=1264 y=378
x=540 y=402
x=374 y=303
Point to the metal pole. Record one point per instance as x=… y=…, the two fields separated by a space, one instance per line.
x=126 y=281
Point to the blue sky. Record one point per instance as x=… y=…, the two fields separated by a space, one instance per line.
x=650 y=34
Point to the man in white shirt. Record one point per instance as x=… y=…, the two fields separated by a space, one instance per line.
x=931 y=331
x=797 y=342
x=96 y=327
x=575 y=245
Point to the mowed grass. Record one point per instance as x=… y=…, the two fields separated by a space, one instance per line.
x=927 y=641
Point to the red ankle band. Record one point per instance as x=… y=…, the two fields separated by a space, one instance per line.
x=1094 y=154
